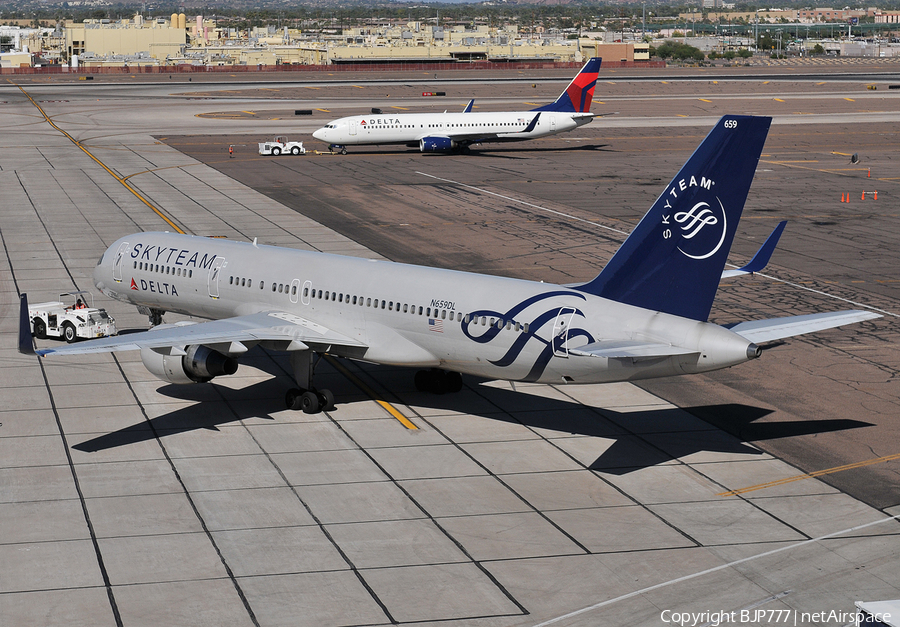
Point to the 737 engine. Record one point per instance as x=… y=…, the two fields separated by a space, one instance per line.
x=199 y=364
x=436 y=144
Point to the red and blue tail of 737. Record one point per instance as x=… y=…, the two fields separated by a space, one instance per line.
x=578 y=95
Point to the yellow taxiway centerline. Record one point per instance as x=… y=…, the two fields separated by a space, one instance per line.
x=393 y=411
x=102 y=165
x=817 y=473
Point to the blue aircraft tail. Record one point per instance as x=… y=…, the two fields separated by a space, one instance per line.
x=579 y=93
x=673 y=259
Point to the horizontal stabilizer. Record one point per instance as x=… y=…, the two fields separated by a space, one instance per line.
x=619 y=349
x=272 y=326
x=761 y=258
x=758 y=331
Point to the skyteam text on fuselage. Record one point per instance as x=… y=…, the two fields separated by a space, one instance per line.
x=643 y=316
x=448 y=132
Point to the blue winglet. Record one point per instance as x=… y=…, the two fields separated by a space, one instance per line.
x=468 y=108
x=673 y=260
x=533 y=123
x=761 y=258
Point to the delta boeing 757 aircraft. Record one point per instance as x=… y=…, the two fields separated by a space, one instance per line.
x=644 y=316
x=455 y=132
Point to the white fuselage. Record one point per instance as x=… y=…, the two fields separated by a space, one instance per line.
x=410 y=315
x=409 y=128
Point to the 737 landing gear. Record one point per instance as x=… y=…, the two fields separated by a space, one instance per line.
x=307 y=398
x=438 y=381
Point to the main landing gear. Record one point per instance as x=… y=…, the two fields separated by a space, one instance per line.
x=438 y=381
x=307 y=398
x=310 y=401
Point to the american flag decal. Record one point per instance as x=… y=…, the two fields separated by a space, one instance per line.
x=435 y=325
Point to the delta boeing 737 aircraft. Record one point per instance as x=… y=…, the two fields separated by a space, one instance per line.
x=455 y=132
x=644 y=316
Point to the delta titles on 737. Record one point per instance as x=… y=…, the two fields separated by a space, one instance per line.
x=455 y=132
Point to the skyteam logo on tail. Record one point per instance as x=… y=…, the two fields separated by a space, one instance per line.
x=701 y=222
x=702 y=227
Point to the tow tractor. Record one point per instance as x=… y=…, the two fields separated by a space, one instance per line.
x=281 y=146
x=73 y=321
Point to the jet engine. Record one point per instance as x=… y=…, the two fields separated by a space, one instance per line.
x=199 y=364
x=436 y=144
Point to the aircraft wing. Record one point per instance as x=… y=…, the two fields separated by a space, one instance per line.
x=779 y=328
x=619 y=349
x=228 y=335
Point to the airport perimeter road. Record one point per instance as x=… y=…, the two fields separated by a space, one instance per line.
x=126 y=501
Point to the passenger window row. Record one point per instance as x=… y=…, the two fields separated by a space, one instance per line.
x=163 y=269
x=376 y=303
x=241 y=282
x=443 y=314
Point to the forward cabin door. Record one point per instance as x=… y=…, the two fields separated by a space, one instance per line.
x=119 y=263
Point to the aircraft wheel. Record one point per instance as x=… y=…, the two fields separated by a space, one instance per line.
x=326 y=400
x=343 y=151
x=69 y=333
x=309 y=402
x=40 y=329
x=292 y=398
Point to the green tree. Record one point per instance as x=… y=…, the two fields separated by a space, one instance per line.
x=677 y=50
x=765 y=42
